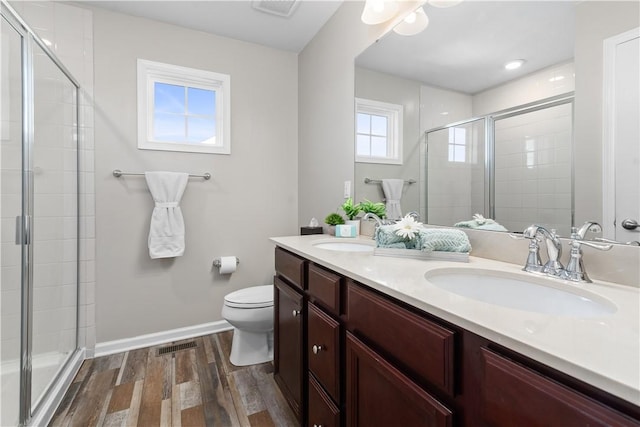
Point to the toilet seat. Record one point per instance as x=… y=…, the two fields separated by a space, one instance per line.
x=254 y=297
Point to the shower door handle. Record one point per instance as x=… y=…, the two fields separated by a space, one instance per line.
x=23 y=230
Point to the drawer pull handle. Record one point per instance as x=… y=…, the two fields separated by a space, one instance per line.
x=295 y=313
x=317 y=425
x=316 y=349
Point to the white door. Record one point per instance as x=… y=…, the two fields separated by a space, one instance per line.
x=622 y=137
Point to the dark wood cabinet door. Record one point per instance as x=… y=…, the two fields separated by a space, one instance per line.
x=323 y=350
x=422 y=346
x=513 y=395
x=288 y=343
x=322 y=411
x=380 y=395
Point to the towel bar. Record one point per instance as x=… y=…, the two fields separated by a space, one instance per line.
x=118 y=173
x=379 y=181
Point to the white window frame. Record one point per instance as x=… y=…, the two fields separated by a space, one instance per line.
x=150 y=72
x=394 y=115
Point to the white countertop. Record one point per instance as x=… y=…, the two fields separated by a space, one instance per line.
x=601 y=351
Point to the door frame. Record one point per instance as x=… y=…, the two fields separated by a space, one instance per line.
x=609 y=131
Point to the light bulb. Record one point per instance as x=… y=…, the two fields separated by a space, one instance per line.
x=411 y=18
x=413 y=23
x=378 y=11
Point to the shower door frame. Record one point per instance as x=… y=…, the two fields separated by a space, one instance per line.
x=29 y=39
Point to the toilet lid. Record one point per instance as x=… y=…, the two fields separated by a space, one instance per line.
x=254 y=297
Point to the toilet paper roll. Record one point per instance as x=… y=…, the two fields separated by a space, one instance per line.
x=228 y=264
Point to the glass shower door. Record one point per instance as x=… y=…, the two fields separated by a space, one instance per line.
x=55 y=222
x=456 y=182
x=10 y=212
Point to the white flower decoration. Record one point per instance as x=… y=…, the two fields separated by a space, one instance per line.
x=407 y=227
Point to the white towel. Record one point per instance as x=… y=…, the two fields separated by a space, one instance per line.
x=166 y=233
x=392 y=189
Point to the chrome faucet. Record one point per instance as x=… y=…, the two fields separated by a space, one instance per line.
x=553 y=266
x=371 y=215
x=415 y=215
x=575 y=269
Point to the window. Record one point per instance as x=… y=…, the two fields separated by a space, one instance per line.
x=457 y=145
x=378 y=132
x=183 y=109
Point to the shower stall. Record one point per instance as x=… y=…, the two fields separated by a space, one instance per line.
x=39 y=347
x=514 y=166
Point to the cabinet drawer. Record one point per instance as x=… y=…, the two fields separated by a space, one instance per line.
x=427 y=349
x=290 y=267
x=322 y=411
x=380 y=395
x=323 y=350
x=324 y=288
x=515 y=395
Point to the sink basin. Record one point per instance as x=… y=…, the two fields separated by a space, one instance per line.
x=521 y=292
x=345 y=245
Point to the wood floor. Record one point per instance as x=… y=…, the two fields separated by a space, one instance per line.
x=191 y=387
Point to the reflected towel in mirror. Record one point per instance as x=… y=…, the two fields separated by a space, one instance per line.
x=392 y=189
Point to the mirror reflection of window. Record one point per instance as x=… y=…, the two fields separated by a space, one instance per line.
x=378 y=132
x=458 y=145
x=372 y=135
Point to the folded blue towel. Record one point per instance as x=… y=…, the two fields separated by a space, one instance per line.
x=386 y=236
x=480 y=223
x=427 y=239
x=443 y=239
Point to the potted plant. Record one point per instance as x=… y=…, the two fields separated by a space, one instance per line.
x=368 y=227
x=332 y=220
x=352 y=211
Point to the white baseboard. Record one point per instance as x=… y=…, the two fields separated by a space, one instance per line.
x=148 y=340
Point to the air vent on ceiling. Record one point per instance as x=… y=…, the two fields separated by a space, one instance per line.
x=284 y=8
x=176 y=347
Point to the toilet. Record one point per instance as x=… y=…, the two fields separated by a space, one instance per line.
x=250 y=312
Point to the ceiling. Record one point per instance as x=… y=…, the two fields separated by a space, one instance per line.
x=465 y=47
x=236 y=19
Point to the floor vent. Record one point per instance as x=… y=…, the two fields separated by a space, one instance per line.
x=176 y=347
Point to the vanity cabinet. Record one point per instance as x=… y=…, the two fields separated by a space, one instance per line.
x=289 y=328
x=513 y=394
x=357 y=357
x=378 y=394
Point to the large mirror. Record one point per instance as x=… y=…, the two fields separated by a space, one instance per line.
x=521 y=146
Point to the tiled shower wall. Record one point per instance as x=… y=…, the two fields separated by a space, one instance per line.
x=68 y=30
x=533 y=170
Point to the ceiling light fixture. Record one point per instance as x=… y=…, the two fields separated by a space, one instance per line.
x=413 y=23
x=378 y=11
x=556 y=78
x=514 y=65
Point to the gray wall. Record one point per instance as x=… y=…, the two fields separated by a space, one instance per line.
x=251 y=196
x=595 y=21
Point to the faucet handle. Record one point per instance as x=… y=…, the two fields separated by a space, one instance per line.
x=590 y=244
x=575 y=269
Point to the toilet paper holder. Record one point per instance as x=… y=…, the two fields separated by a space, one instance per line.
x=217 y=263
